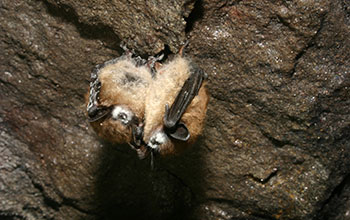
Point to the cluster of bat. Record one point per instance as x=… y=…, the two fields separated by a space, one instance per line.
x=154 y=107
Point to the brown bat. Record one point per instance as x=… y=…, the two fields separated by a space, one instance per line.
x=175 y=106
x=115 y=105
x=153 y=107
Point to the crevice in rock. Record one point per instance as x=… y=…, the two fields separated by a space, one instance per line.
x=4 y=215
x=72 y=203
x=237 y=205
x=346 y=7
x=310 y=44
x=223 y=201
x=88 y=31
x=183 y=183
x=263 y=180
x=55 y=205
x=274 y=141
x=229 y=4
x=336 y=193
x=47 y=200
x=263 y=216
x=285 y=23
x=195 y=15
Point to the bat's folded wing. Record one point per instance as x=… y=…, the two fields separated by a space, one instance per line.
x=96 y=113
x=172 y=116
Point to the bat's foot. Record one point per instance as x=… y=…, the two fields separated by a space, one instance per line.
x=130 y=55
x=182 y=49
x=127 y=52
x=143 y=152
x=152 y=61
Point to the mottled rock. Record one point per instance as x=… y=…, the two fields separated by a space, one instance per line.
x=276 y=69
x=276 y=141
x=144 y=25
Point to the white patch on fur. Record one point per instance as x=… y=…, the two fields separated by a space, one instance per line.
x=164 y=89
x=122 y=114
x=157 y=139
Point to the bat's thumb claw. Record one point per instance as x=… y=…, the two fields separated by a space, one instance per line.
x=168 y=123
x=160 y=57
x=182 y=49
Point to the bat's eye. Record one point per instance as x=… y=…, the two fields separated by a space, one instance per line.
x=122 y=116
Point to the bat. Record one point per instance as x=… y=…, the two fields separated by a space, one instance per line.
x=175 y=106
x=154 y=107
x=115 y=105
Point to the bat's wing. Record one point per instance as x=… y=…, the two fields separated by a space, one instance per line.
x=96 y=113
x=172 y=116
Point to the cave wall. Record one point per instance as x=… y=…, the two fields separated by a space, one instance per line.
x=276 y=140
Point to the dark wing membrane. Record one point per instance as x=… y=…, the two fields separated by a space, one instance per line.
x=188 y=91
x=97 y=113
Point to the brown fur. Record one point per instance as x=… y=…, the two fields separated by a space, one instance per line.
x=114 y=92
x=112 y=131
x=163 y=91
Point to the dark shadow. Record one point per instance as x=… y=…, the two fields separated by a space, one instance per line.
x=87 y=31
x=195 y=15
x=336 y=206
x=127 y=188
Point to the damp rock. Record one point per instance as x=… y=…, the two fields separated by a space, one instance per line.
x=276 y=139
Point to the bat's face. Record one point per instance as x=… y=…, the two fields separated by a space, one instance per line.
x=116 y=127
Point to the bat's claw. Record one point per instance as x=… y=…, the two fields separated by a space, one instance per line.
x=153 y=63
x=129 y=53
x=142 y=152
x=181 y=51
x=168 y=123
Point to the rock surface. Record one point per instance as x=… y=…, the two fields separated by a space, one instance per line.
x=277 y=139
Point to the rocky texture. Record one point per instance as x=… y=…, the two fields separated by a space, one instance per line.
x=143 y=25
x=276 y=142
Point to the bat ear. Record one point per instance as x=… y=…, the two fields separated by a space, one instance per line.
x=96 y=113
x=180 y=133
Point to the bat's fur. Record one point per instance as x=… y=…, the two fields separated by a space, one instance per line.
x=125 y=84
